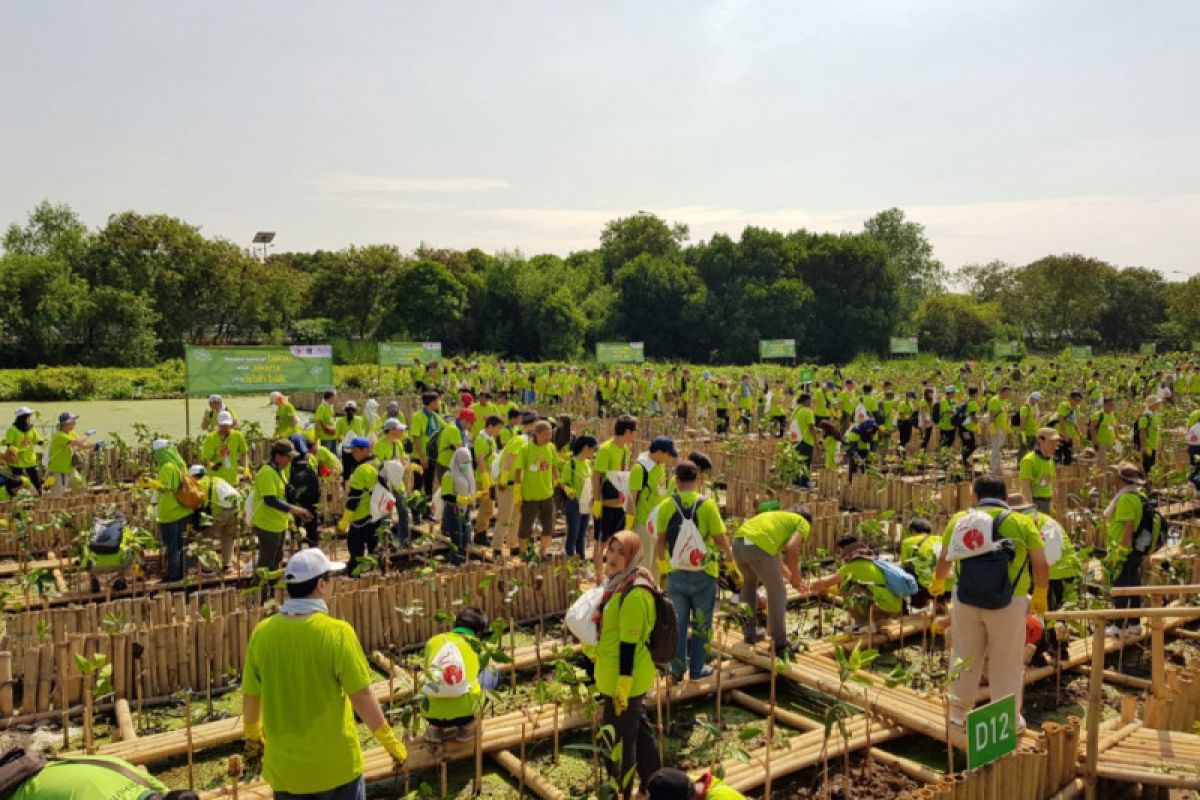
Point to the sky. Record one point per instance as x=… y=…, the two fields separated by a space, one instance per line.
x=1010 y=129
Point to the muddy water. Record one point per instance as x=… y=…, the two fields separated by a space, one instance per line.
x=164 y=417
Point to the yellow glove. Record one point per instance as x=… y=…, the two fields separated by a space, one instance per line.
x=937 y=627
x=569 y=492
x=620 y=698
x=937 y=587
x=253 y=747
x=417 y=469
x=1038 y=605
x=252 y=731
x=343 y=524
x=629 y=522
x=597 y=509
x=664 y=565
x=738 y=578
x=387 y=738
x=463 y=500
x=503 y=481
x=517 y=494
x=247 y=474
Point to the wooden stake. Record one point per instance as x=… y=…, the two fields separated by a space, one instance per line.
x=1095 y=694
x=190 y=752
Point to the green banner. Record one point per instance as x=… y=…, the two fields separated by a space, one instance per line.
x=403 y=354
x=1081 y=351
x=244 y=370
x=903 y=345
x=620 y=352
x=808 y=375
x=776 y=348
x=991 y=731
x=1148 y=348
x=1010 y=349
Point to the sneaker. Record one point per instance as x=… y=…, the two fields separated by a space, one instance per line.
x=862 y=630
x=1132 y=632
x=466 y=733
x=1112 y=631
x=704 y=673
x=1021 y=726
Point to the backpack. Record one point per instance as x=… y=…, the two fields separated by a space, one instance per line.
x=1136 y=433
x=664 y=636
x=959 y=417
x=1193 y=435
x=1014 y=419
x=1149 y=533
x=17 y=766
x=983 y=579
x=448 y=673
x=860 y=413
x=304 y=487
x=684 y=541
x=189 y=494
x=107 y=535
x=433 y=431
x=896 y=578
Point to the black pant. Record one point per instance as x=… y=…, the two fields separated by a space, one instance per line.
x=805 y=451
x=906 y=428
x=1131 y=575
x=722 y=420
x=1194 y=465
x=638 y=745
x=945 y=438
x=968 y=445
x=35 y=479
x=428 y=481
x=926 y=435
x=1065 y=454
x=1148 y=460
x=778 y=426
x=348 y=465
x=612 y=520
x=361 y=539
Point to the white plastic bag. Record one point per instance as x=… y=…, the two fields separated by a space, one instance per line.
x=383 y=503
x=580 y=618
x=972 y=536
x=450 y=672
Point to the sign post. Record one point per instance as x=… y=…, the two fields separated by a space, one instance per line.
x=991 y=731
x=392 y=354
x=903 y=345
x=776 y=348
x=620 y=352
x=1148 y=348
x=807 y=375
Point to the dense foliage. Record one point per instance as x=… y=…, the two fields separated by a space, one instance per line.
x=133 y=291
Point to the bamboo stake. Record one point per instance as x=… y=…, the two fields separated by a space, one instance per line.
x=1095 y=690
x=6 y=683
x=479 y=749
x=125 y=729
x=191 y=766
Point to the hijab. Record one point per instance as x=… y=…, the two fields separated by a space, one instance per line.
x=631 y=544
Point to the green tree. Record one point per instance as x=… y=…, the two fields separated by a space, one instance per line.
x=41 y=301
x=1183 y=312
x=914 y=270
x=1059 y=300
x=51 y=230
x=116 y=329
x=993 y=282
x=661 y=303
x=626 y=238
x=425 y=301
x=349 y=287
x=1135 y=308
x=853 y=295
x=954 y=325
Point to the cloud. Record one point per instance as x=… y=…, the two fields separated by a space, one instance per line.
x=342 y=183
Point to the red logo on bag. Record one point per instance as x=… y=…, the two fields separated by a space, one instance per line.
x=973 y=539
x=695 y=557
x=452 y=675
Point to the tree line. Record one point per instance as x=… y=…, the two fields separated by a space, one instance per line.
x=135 y=290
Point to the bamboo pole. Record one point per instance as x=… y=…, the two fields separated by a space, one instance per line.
x=1095 y=694
x=125 y=731
x=530 y=777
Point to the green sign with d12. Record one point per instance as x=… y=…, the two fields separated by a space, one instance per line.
x=991 y=731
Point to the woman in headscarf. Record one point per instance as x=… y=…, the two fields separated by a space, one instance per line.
x=172 y=515
x=20 y=453
x=624 y=668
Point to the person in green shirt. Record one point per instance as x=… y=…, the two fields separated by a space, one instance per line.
x=945 y=416
x=1149 y=432
x=390 y=447
x=453 y=694
x=649 y=484
x=21 y=441
x=674 y=784
x=1029 y=423
x=508 y=499
x=624 y=669
x=999 y=428
x=612 y=509
x=804 y=422
x=424 y=427
x=225 y=451
x=271 y=511
x=304 y=679
x=216 y=405
x=485 y=448
x=64 y=443
x=535 y=473
x=361 y=529
x=458 y=492
x=1126 y=544
x=172 y=516
x=1102 y=429
x=1192 y=438
x=349 y=426
x=906 y=420
x=454 y=436
x=286 y=421
x=861 y=583
x=994 y=636
x=1066 y=422
x=577 y=489
x=691 y=568
x=757 y=546
x=919 y=553
x=1037 y=472
x=85 y=777
x=323 y=418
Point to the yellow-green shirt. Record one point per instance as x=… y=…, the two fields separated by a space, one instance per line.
x=771 y=531
x=628 y=620
x=304 y=670
x=223 y=454
x=863 y=571
x=269 y=482
x=1129 y=508
x=24 y=443
x=1024 y=535
x=1039 y=472
x=922 y=551
x=708 y=520
x=648 y=487
x=805 y=420
x=324 y=415
x=285 y=420
x=170 y=509
x=61 y=452
x=536 y=463
x=364 y=477
x=452 y=707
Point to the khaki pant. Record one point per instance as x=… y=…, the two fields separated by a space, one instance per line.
x=506 y=522
x=483 y=517
x=996 y=636
x=758 y=567
x=999 y=437
x=224 y=531
x=648 y=544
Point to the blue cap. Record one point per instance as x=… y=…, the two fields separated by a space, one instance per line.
x=664 y=444
x=360 y=441
x=297 y=440
x=868 y=424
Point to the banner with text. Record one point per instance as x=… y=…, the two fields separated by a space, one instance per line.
x=243 y=370
x=1081 y=351
x=903 y=345
x=620 y=352
x=1010 y=349
x=403 y=354
x=776 y=348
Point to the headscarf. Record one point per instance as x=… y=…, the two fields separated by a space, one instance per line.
x=631 y=544
x=24 y=422
x=170 y=455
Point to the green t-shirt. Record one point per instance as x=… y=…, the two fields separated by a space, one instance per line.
x=629 y=619
x=1150 y=430
x=303 y=669
x=464 y=705
x=708 y=520
x=864 y=572
x=648 y=487
x=536 y=463
x=1024 y=535
x=945 y=413
x=285 y=420
x=61 y=451
x=922 y=552
x=1106 y=428
x=24 y=442
x=805 y=420
x=611 y=457
x=771 y=531
x=1039 y=472
x=386 y=449
x=170 y=509
x=323 y=416
x=269 y=482
x=576 y=473
x=85 y=777
x=364 y=477
x=998 y=413
x=1068 y=565
x=1029 y=420
x=356 y=427
x=1129 y=508
x=223 y=454
x=449 y=440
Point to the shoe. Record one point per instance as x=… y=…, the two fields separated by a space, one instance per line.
x=1112 y=631
x=704 y=673
x=1132 y=632
x=862 y=630
x=465 y=734
x=957 y=722
x=435 y=734
x=1021 y=726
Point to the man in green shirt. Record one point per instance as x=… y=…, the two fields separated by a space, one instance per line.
x=271 y=510
x=536 y=474
x=305 y=677
x=757 y=545
x=999 y=428
x=689 y=530
x=323 y=418
x=989 y=628
x=286 y=421
x=1149 y=433
x=1030 y=423
x=861 y=584
x=674 y=784
x=508 y=499
x=1037 y=472
x=805 y=425
x=216 y=405
x=648 y=484
x=945 y=419
x=1103 y=429
x=172 y=516
x=85 y=777
x=1126 y=542
x=63 y=444
x=424 y=427
x=225 y=451
x=611 y=510
x=1066 y=422
x=361 y=528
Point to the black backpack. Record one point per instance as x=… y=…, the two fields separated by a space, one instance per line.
x=433 y=432
x=304 y=487
x=664 y=636
x=983 y=580
x=107 y=535
x=17 y=766
x=1136 y=433
x=1150 y=531
x=959 y=417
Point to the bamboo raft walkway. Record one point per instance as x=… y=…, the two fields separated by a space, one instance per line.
x=1138 y=754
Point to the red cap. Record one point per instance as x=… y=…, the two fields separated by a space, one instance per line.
x=467 y=414
x=466 y=398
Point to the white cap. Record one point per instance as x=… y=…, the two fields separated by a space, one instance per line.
x=215 y=398
x=393 y=424
x=309 y=564
x=224 y=418
x=159 y=444
x=196 y=470
x=1035 y=396
x=23 y=411
x=276 y=396
x=351 y=404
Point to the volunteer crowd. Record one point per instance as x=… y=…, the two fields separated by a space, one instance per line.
x=497 y=469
